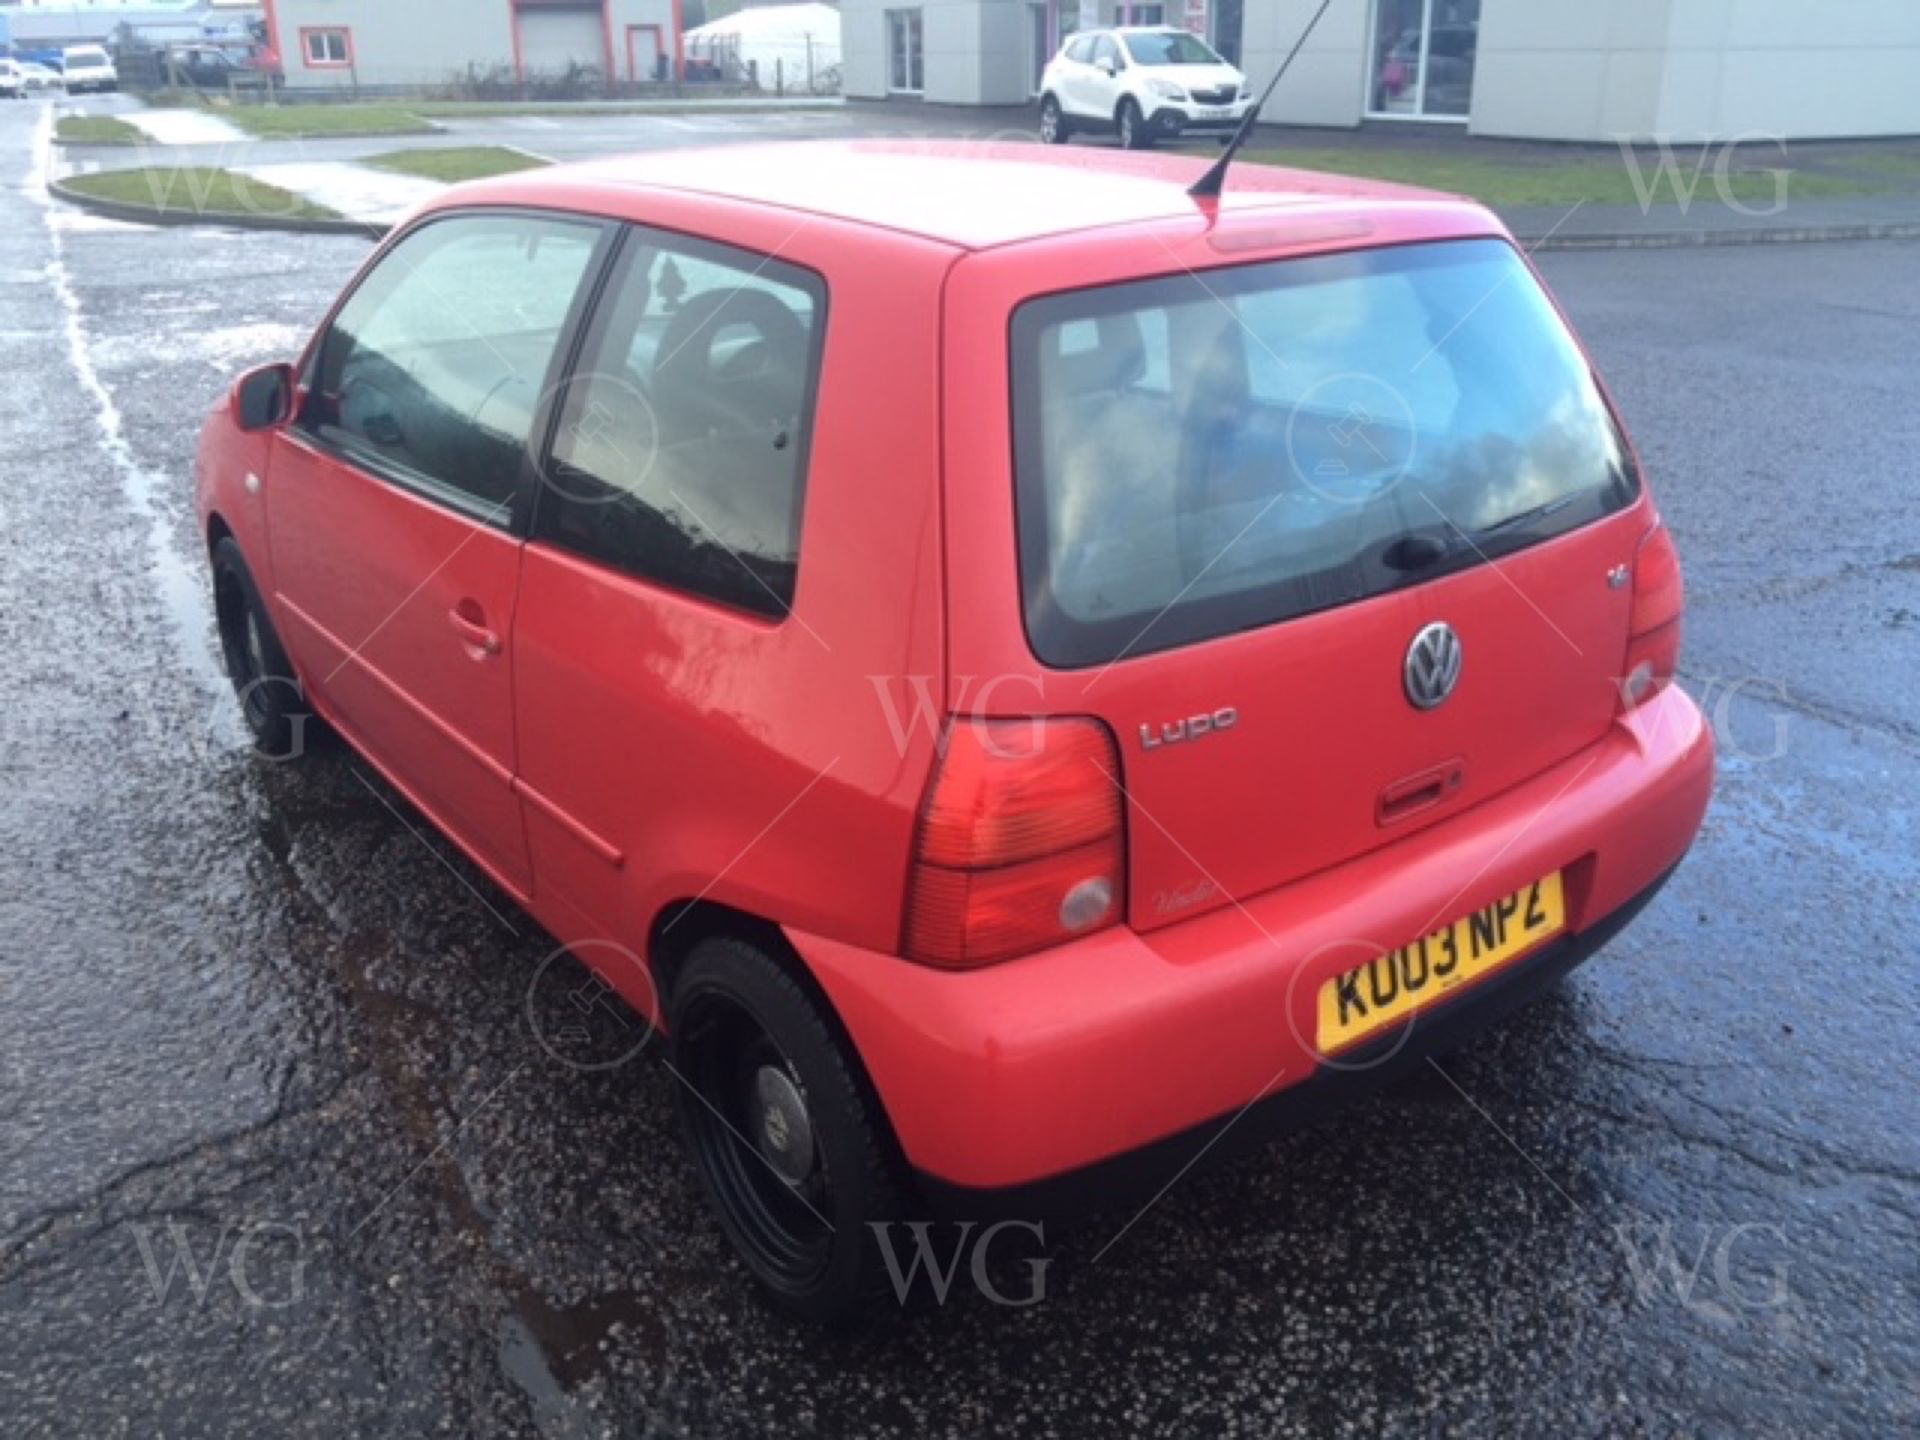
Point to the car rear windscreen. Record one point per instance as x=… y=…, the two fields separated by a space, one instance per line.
x=1209 y=452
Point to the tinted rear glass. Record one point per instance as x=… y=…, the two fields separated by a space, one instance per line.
x=1206 y=453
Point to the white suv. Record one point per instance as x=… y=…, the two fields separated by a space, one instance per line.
x=1140 y=84
x=88 y=67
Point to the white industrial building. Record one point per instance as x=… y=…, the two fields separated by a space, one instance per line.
x=1592 y=70
x=398 y=44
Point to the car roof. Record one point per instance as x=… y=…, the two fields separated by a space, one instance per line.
x=967 y=194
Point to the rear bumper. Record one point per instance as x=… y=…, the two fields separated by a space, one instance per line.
x=1114 y=1059
x=1136 y=1176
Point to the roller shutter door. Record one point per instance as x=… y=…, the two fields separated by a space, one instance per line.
x=553 y=39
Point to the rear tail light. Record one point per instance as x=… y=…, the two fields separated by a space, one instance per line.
x=1019 y=844
x=1653 y=633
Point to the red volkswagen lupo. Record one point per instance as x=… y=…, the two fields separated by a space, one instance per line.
x=1015 y=668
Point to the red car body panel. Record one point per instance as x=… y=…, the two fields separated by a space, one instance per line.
x=1044 y=1064
x=632 y=748
x=369 y=581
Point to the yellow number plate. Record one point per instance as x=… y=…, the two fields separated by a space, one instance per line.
x=1386 y=990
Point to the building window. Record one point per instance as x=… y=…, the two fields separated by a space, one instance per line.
x=327 y=49
x=1423 y=58
x=906 y=73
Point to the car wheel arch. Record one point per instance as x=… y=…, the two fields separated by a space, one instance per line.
x=217 y=530
x=680 y=926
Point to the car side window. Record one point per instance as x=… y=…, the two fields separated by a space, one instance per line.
x=433 y=370
x=681 y=450
x=1106 y=49
x=1080 y=49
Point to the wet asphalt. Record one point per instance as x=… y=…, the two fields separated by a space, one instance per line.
x=281 y=1152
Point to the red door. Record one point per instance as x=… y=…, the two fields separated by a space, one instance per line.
x=695 y=702
x=395 y=502
x=397 y=611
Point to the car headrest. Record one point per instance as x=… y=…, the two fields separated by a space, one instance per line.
x=1116 y=359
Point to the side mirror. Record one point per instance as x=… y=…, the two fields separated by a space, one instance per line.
x=263 y=398
x=1106 y=67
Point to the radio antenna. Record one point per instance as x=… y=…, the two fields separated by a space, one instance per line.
x=1207 y=187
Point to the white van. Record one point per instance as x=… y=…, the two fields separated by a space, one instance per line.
x=88 y=67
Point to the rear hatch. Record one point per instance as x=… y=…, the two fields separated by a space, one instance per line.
x=1242 y=501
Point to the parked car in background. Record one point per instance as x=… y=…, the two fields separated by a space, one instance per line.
x=13 y=85
x=658 y=574
x=41 y=79
x=88 y=69
x=207 y=67
x=1142 y=85
x=219 y=67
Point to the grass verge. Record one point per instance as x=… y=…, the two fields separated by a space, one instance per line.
x=96 y=130
x=456 y=163
x=304 y=122
x=193 y=190
x=690 y=104
x=1594 y=179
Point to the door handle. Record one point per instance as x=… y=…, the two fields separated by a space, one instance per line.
x=473 y=632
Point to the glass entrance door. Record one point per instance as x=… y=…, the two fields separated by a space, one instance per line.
x=1422 y=56
x=1039 y=52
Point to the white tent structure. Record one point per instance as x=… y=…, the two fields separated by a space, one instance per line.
x=790 y=47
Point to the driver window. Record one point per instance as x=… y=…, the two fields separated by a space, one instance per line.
x=432 y=372
x=1109 y=51
x=681 y=451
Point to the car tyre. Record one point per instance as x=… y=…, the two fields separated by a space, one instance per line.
x=790 y=1143
x=272 y=700
x=1132 y=126
x=1054 y=129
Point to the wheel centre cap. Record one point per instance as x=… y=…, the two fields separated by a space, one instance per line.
x=782 y=1131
